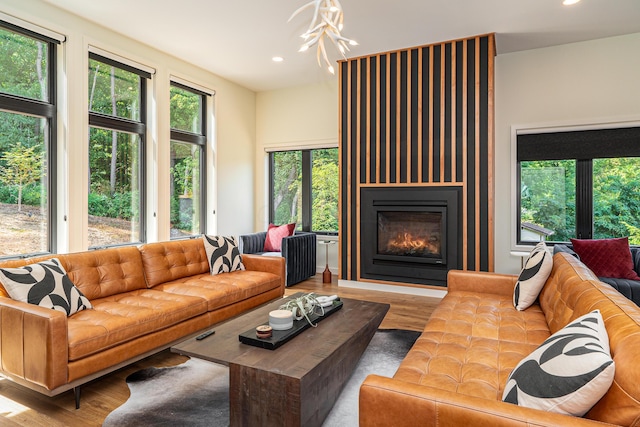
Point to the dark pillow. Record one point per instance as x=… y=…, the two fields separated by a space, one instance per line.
x=607 y=257
x=273 y=241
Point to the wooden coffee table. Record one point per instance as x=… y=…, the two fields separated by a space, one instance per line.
x=298 y=383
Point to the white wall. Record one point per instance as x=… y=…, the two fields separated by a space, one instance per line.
x=231 y=151
x=298 y=117
x=575 y=84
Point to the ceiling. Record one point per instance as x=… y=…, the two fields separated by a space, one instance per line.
x=236 y=39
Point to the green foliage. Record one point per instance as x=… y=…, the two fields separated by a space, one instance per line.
x=325 y=184
x=287 y=194
x=21 y=166
x=121 y=205
x=548 y=197
x=185 y=110
x=31 y=194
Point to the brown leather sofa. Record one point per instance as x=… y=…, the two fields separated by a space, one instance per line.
x=455 y=373
x=144 y=299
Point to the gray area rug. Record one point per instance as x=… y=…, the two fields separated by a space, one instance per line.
x=195 y=393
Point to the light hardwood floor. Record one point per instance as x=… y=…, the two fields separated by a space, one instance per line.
x=22 y=407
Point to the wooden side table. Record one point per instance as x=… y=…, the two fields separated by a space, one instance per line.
x=326 y=274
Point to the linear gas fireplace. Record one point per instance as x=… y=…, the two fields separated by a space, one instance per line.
x=410 y=234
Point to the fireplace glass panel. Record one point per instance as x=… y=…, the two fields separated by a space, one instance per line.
x=413 y=234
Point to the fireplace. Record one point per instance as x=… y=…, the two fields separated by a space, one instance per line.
x=410 y=234
x=417 y=235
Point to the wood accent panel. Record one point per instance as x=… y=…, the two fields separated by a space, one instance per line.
x=421 y=116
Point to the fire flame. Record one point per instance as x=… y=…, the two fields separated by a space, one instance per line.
x=406 y=242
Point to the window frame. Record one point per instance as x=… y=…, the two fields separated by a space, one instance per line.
x=199 y=140
x=564 y=143
x=121 y=124
x=47 y=110
x=307 y=188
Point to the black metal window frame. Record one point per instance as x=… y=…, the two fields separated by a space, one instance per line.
x=199 y=139
x=121 y=124
x=307 y=203
x=583 y=146
x=46 y=110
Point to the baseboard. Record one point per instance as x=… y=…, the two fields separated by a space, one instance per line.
x=399 y=289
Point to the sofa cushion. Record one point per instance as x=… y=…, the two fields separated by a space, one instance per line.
x=105 y=272
x=536 y=270
x=223 y=289
x=275 y=234
x=607 y=257
x=45 y=284
x=568 y=373
x=167 y=261
x=471 y=344
x=120 y=318
x=223 y=254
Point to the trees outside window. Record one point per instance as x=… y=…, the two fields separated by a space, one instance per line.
x=117 y=120
x=581 y=184
x=304 y=189
x=188 y=141
x=27 y=141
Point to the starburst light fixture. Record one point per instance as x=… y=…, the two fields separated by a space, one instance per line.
x=326 y=24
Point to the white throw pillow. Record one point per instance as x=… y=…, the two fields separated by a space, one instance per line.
x=223 y=254
x=45 y=284
x=568 y=373
x=533 y=276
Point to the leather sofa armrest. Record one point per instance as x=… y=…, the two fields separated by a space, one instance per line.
x=481 y=282
x=252 y=243
x=33 y=343
x=386 y=401
x=268 y=264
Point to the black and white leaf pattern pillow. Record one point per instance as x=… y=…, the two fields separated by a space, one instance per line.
x=568 y=373
x=223 y=254
x=533 y=276
x=45 y=284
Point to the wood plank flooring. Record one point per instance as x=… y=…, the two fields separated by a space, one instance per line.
x=20 y=406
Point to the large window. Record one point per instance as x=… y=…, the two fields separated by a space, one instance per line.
x=188 y=141
x=581 y=184
x=304 y=189
x=27 y=141
x=117 y=117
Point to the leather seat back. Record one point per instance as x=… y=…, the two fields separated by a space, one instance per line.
x=571 y=291
x=167 y=261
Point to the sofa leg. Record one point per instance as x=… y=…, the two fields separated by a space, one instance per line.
x=76 y=393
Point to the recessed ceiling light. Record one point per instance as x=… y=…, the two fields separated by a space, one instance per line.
x=569 y=2
x=277 y=59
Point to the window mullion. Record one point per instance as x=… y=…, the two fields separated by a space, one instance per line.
x=306 y=190
x=584 y=199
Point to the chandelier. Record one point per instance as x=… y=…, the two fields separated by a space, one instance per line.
x=325 y=25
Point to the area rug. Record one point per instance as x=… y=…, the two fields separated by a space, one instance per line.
x=195 y=393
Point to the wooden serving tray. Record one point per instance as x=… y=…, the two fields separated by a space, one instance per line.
x=280 y=337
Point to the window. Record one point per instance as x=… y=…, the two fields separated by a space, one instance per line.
x=188 y=141
x=304 y=189
x=27 y=141
x=117 y=117
x=580 y=184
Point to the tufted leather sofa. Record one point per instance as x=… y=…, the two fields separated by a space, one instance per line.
x=145 y=299
x=455 y=373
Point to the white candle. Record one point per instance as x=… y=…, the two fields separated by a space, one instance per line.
x=280 y=320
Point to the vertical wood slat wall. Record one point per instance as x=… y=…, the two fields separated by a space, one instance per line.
x=419 y=117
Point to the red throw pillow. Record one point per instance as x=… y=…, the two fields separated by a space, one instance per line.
x=273 y=242
x=606 y=257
